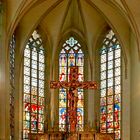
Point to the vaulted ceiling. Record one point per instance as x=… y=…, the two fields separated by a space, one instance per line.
x=86 y=17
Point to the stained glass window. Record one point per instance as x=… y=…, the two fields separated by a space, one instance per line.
x=110 y=86
x=33 y=97
x=12 y=46
x=71 y=55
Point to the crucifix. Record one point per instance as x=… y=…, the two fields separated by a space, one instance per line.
x=72 y=95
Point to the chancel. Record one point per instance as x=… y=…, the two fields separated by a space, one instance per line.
x=69 y=70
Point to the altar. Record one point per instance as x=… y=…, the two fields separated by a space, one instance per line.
x=85 y=135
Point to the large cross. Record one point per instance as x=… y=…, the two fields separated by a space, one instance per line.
x=72 y=95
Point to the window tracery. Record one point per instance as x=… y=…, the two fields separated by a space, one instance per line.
x=71 y=55
x=33 y=97
x=110 y=86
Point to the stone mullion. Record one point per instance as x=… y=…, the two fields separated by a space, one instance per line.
x=30 y=86
x=37 y=87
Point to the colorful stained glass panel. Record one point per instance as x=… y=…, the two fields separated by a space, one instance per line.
x=80 y=59
x=62 y=115
x=110 y=108
x=71 y=60
x=110 y=100
x=103 y=109
x=33 y=98
x=103 y=101
x=70 y=55
x=117 y=98
x=110 y=84
x=63 y=60
x=80 y=115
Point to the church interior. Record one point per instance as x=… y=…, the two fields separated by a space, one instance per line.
x=69 y=70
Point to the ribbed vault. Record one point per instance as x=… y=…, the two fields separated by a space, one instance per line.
x=88 y=17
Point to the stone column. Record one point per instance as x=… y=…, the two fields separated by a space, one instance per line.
x=4 y=82
x=135 y=92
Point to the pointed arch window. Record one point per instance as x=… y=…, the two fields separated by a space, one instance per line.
x=33 y=97
x=71 y=55
x=110 y=86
